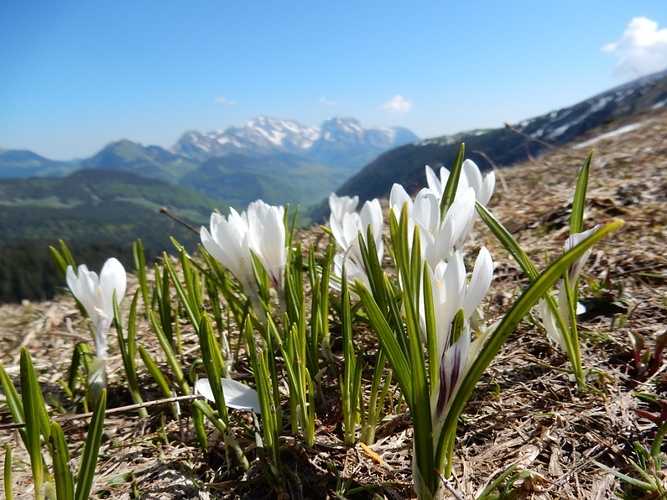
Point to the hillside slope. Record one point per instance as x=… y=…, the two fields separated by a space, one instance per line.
x=510 y=145
x=525 y=412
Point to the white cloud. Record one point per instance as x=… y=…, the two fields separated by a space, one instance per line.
x=397 y=105
x=328 y=102
x=225 y=102
x=641 y=50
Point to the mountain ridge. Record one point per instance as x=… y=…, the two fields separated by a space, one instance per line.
x=491 y=148
x=264 y=135
x=287 y=162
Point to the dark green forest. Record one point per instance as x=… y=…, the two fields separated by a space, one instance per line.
x=28 y=272
x=98 y=214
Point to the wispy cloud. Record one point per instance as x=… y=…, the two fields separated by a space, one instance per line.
x=642 y=49
x=397 y=105
x=328 y=102
x=224 y=101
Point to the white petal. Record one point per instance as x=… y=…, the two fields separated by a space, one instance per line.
x=237 y=395
x=581 y=309
x=462 y=211
x=433 y=182
x=487 y=188
x=426 y=211
x=336 y=226
x=397 y=198
x=341 y=205
x=576 y=268
x=479 y=282
x=267 y=241
x=112 y=277
x=83 y=285
x=203 y=387
x=549 y=323
x=218 y=253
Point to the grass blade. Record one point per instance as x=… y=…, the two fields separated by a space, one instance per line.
x=155 y=372
x=579 y=201
x=210 y=352
x=128 y=349
x=91 y=450
x=36 y=420
x=169 y=353
x=60 y=456
x=397 y=359
x=13 y=401
x=140 y=266
x=9 y=494
x=449 y=193
x=508 y=241
x=62 y=257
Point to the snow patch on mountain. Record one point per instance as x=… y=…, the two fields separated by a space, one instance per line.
x=325 y=144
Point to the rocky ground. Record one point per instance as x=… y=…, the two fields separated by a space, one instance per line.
x=526 y=410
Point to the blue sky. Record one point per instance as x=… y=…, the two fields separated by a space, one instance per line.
x=76 y=75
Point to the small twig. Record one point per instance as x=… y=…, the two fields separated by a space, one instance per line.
x=494 y=167
x=651 y=267
x=447 y=484
x=112 y=411
x=166 y=212
x=529 y=137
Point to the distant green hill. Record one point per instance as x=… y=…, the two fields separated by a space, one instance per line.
x=91 y=210
x=21 y=164
x=151 y=161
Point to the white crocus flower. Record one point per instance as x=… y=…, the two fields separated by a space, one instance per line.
x=457 y=223
x=424 y=211
x=470 y=177
x=234 y=240
x=549 y=321
x=398 y=197
x=451 y=293
x=352 y=271
x=95 y=293
x=438 y=239
x=237 y=395
x=267 y=239
x=347 y=233
x=575 y=269
x=228 y=243
x=341 y=205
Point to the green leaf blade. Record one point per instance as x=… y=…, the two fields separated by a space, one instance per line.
x=91 y=450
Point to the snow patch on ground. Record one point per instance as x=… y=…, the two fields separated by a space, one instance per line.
x=613 y=133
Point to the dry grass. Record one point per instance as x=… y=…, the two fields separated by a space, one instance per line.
x=525 y=411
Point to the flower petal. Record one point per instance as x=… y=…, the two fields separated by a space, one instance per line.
x=341 y=205
x=112 y=277
x=479 y=282
x=237 y=395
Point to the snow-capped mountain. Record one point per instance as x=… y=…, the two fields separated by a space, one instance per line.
x=261 y=135
x=337 y=142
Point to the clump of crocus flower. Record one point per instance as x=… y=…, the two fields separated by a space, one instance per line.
x=96 y=295
x=560 y=321
x=259 y=231
x=347 y=226
x=439 y=300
